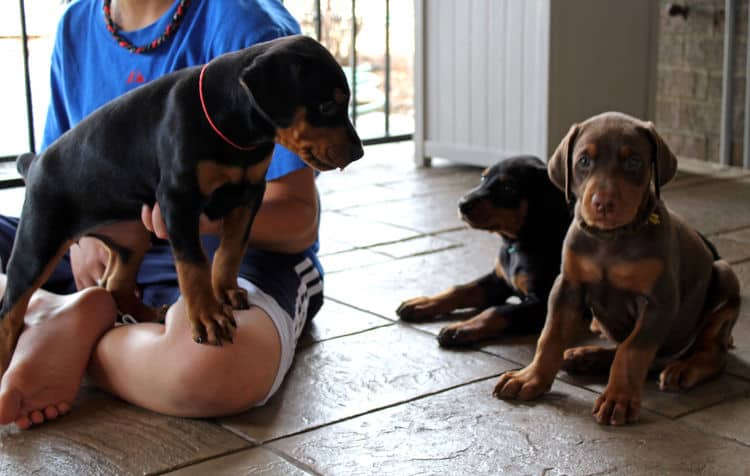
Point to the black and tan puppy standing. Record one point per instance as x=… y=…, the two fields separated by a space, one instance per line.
x=516 y=201
x=198 y=140
x=653 y=284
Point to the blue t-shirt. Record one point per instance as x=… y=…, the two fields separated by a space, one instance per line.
x=89 y=68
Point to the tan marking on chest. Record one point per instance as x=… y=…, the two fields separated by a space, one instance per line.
x=212 y=175
x=257 y=173
x=636 y=276
x=499 y=271
x=521 y=283
x=580 y=269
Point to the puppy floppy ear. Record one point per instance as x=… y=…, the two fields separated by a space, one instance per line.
x=272 y=82
x=662 y=158
x=560 y=165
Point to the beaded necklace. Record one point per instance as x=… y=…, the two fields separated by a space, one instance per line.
x=114 y=29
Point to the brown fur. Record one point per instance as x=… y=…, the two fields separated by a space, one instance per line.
x=650 y=279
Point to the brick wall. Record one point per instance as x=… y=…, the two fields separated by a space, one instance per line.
x=688 y=98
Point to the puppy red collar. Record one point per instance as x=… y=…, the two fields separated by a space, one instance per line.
x=208 y=118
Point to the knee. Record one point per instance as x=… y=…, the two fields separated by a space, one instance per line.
x=214 y=383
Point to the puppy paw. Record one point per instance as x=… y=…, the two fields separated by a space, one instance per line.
x=617 y=406
x=213 y=325
x=525 y=384
x=421 y=309
x=237 y=298
x=457 y=335
x=682 y=375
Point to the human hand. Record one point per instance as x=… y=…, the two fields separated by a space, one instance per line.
x=88 y=260
x=154 y=221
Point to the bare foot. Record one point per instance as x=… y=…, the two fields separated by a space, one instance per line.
x=52 y=353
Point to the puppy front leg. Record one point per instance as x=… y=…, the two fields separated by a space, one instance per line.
x=528 y=316
x=620 y=402
x=480 y=293
x=228 y=258
x=565 y=310
x=211 y=321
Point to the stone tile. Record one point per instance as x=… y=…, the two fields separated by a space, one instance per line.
x=351 y=259
x=330 y=245
x=485 y=245
x=363 y=195
x=415 y=246
x=728 y=420
x=11 y=201
x=712 y=208
x=739 y=356
x=516 y=348
x=734 y=246
x=359 y=232
x=743 y=274
x=426 y=214
x=380 y=164
x=105 y=436
x=252 y=461
x=381 y=288
x=341 y=378
x=336 y=320
x=672 y=404
x=459 y=178
x=693 y=171
x=467 y=431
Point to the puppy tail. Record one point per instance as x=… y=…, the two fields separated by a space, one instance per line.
x=23 y=162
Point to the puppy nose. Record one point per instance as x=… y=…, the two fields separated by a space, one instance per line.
x=357 y=151
x=466 y=206
x=603 y=202
x=343 y=154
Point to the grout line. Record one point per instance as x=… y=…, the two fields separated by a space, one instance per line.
x=727 y=231
x=350 y=334
x=419 y=235
x=198 y=461
x=701 y=428
x=291 y=460
x=708 y=180
x=372 y=313
x=381 y=408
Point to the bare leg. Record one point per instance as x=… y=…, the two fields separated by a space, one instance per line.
x=160 y=368
x=53 y=350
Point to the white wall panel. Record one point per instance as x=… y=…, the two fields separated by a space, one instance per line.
x=504 y=77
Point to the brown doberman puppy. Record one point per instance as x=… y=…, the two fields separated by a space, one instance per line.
x=651 y=281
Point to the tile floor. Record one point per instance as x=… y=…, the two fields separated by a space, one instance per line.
x=370 y=395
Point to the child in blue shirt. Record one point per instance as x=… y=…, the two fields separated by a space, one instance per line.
x=103 y=49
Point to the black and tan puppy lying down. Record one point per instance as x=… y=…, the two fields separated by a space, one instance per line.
x=516 y=201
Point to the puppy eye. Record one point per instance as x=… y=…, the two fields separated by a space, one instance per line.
x=329 y=108
x=584 y=161
x=632 y=163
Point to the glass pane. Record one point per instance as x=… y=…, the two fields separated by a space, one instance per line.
x=336 y=33
x=41 y=21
